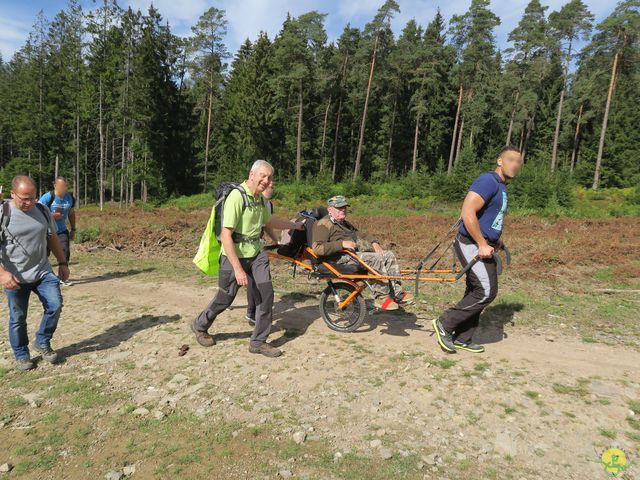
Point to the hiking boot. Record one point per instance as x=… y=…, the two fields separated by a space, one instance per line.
x=251 y=320
x=386 y=304
x=405 y=298
x=203 y=338
x=25 y=364
x=48 y=354
x=469 y=347
x=266 y=350
x=445 y=339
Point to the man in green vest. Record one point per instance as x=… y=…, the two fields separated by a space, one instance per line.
x=243 y=263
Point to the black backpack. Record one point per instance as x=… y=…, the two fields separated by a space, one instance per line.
x=301 y=239
x=222 y=192
x=5 y=216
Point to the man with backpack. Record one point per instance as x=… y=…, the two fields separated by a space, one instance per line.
x=243 y=262
x=27 y=230
x=483 y=212
x=62 y=205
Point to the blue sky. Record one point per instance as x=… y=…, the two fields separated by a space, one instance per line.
x=247 y=17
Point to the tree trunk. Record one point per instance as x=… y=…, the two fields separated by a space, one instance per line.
x=455 y=131
x=144 y=179
x=55 y=175
x=356 y=170
x=86 y=167
x=527 y=136
x=324 y=134
x=337 y=133
x=554 y=151
x=576 y=137
x=393 y=124
x=459 y=142
x=76 y=169
x=414 y=162
x=113 y=169
x=521 y=144
x=335 y=142
x=206 y=145
x=513 y=114
x=123 y=159
x=40 y=111
x=299 y=135
x=102 y=148
x=603 y=132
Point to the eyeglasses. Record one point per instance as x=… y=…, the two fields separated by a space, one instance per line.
x=26 y=199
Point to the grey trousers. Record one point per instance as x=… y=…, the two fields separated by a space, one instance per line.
x=66 y=245
x=257 y=269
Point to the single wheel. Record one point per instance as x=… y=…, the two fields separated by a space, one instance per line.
x=351 y=317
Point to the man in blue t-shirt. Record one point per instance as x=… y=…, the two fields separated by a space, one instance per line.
x=483 y=212
x=62 y=205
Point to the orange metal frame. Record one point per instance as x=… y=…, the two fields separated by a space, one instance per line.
x=305 y=261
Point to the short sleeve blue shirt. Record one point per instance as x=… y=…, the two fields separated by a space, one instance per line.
x=490 y=217
x=62 y=205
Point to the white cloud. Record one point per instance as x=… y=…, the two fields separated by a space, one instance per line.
x=248 y=17
x=13 y=34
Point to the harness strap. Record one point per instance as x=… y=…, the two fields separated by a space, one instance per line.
x=239 y=238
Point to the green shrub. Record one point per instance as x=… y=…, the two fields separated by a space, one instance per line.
x=89 y=234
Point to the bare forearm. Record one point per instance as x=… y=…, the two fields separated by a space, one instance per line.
x=473 y=227
x=280 y=224
x=229 y=248
x=272 y=235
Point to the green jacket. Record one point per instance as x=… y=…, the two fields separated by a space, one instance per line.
x=328 y=236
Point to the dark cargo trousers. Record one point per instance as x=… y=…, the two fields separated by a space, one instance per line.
x=257 y=269
x=482 y=288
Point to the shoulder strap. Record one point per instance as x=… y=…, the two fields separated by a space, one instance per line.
x=45 y=212
x=5 y=217
x=52 y=196
x=245 y=198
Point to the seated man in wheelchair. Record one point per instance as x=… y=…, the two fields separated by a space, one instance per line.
x=333 y=234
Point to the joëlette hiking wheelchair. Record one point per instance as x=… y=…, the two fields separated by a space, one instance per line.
x=342 y=303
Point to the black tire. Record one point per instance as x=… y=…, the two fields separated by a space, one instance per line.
x=347 y=320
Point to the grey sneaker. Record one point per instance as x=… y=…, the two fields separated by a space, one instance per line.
x=445 y=339
x=25 y=364
x=251 y=320
x=48 y=354
x=66 y=283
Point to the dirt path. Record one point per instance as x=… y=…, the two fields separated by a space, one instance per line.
x=535 y=405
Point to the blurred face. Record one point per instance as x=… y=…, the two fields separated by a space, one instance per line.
x=260 y=179
x=338 y=213
x=510 y=163
x=60 y=187
x=25 y=196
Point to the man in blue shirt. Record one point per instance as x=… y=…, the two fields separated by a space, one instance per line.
x=62 y=205
x=483 y=212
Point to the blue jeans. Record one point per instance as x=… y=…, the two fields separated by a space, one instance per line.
x=48 y=291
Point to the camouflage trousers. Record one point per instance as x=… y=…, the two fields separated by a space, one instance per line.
x=386 y=264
